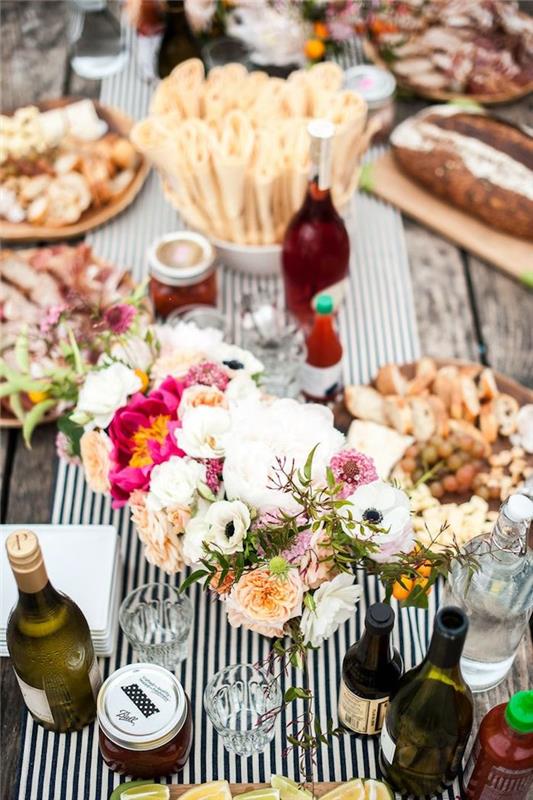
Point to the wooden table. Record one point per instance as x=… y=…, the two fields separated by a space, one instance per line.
x=465 y=309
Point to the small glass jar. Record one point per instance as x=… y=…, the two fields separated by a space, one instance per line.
x=182 y=272
x=145 y=722
x=377 y=87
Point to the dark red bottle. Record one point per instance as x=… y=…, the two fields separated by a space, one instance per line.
x=500 y=766
x=316 y=247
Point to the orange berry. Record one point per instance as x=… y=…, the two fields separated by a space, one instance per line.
x=402 y=588
x=143 y=378
x=321 y=30
x=314 y=49
x=37 y=396
x=424 y=569
x=423 y=582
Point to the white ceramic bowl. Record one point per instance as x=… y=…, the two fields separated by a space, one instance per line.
x=250 y=259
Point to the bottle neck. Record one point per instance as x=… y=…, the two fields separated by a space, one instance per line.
x=374 y=649
x=320 y=170
x=40 y=603
x=442 y=660
x=508 y=541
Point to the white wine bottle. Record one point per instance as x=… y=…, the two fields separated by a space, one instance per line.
x=430 y=715
x=49 y=644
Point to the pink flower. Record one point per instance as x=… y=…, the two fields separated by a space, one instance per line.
x=64 y=450
x=263 y=602
x=119 y=318
x=299 y=548
x=51 y=317
x=162 y=542
x=318 y=565
x=95 y=449
x=213 y=472
x=142 y=433
x=352 y=469
x=208 y=374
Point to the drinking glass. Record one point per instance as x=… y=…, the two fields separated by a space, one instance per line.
x=156 y=620
x=274 y=337
x=243 y=702
x=202 y=316
x=97 y=41
x=225 y=50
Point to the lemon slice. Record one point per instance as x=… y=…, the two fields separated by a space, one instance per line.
x=377 y=790
x=154 y=791
x=289 y=790
x=216 y=790
x=260 y=794
x=352 y=790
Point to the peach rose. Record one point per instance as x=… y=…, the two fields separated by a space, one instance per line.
x=162 y=542
x=317 y=567
x=263 y=602
x=199 y=395
x=95 y=448
x=178 y=516
x=175 y=363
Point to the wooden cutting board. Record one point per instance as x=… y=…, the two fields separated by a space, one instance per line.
x=510 y=254
x=239 y=788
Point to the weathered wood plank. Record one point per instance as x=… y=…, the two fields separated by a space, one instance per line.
x=444 y=317
x=505 y=311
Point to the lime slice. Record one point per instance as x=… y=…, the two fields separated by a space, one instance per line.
x=289 y=790
x=138 y=790
x=352 y=790
x=377 y=790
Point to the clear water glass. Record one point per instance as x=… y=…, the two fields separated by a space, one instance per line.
x=275 y=338
x=225 y=50
x=97 y=39
x=156 y=620
x=243 y=703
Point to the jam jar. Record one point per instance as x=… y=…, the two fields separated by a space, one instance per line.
x=182 y=272
x=145 y=722
x=377 y=87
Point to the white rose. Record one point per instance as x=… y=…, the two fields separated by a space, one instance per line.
x=248 y=363
x=188 y=337
x=389 y=508
x=240 y=388
x=203 y=432
x=262 y=433
x=228 y=525
x=135 y=352
x=174 y=483
x=334 y=604
x=105 y=391
x=193 y=540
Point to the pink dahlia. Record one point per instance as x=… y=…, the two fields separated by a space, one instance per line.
x=142 y=434
x=119 y=318
x=352 y=469
x=299 y=548
x=207 y=374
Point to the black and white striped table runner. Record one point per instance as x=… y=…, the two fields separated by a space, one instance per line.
x=377 y=325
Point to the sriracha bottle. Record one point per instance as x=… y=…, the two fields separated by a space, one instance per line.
x=321 y=376
x=501 y=763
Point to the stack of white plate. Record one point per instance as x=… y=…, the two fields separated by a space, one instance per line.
x=83 y=562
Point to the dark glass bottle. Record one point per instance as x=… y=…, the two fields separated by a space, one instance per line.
x=178 y=42
x=430 y=716
x=371 y=670
x=316 y=247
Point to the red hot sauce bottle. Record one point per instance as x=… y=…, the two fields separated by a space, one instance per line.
x=321 y=375
x=500 y=766
x=316 y=247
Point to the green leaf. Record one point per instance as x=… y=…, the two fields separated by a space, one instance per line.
x=205 y=492
x=78 y=363
x=297 y=693
x=195 y=576
x=366 y=178
x=72 y=431
x=309 y=463
x=22 y=355
x=309 y=601
x=33 y=417
x=527 y=278
x=16 y=407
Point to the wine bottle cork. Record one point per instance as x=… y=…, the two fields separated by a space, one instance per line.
x=26 y=560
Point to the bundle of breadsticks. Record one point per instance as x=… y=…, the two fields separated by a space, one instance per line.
x=233 y=151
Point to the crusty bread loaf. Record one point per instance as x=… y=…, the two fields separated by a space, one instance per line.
x=476 y=162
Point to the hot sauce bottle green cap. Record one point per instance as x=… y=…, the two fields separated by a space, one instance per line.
x=519 y=712
x=324 y=304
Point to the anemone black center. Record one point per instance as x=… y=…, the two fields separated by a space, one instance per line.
x=233 y=364
x=373 y=516
x=230 y=530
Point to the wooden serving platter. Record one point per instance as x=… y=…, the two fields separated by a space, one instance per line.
x=92 y=217
x=441 y=95
x=509 y=253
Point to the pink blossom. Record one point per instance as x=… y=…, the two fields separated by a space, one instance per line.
x=208 y=374
x=119 y=318
x=299 y=548
x=51 y=317
x=318 y=565
x=213 y=472
x=64 y=450
x=352 y=469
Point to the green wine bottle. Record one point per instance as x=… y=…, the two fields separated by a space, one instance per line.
x=430 y=715
x=49 y=644
x=179 y=42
